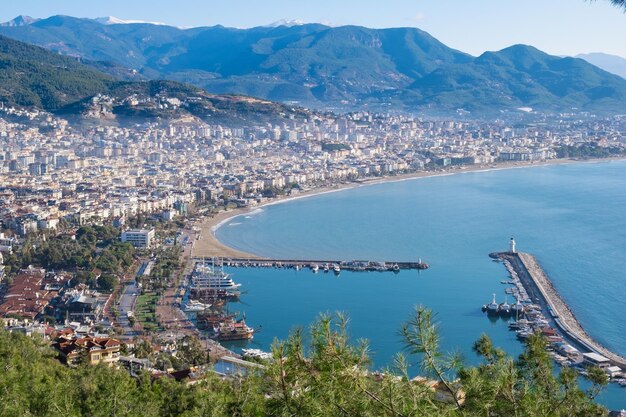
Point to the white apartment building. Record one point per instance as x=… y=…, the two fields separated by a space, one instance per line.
x=139 y=238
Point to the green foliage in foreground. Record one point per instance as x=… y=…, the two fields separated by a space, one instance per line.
x=323 y=378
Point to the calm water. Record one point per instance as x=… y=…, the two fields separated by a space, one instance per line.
x=571 y=217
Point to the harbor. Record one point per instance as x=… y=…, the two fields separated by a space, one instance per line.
x=209 y=289
x=540 y=308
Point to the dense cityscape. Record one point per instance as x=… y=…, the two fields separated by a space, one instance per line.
x=118 y=296
x=63 y=178
x=101 y=174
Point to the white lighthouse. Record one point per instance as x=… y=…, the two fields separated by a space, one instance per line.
x=512 y=246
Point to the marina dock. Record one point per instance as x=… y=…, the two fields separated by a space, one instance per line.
x=539 y=287
x=355 y=265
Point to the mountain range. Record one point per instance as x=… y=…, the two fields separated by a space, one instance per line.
x=611 y=63
x=347 y=67
x=34 y=77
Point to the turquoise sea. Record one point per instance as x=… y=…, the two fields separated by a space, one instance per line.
x=572 y=217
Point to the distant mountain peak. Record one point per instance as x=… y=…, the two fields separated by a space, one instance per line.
x=612 y=63
x=112 y=20
x=286 y=22
x=20 y=20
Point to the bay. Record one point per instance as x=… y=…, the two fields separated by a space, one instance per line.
x=571 y=217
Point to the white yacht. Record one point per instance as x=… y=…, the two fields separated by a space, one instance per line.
x=193 y=305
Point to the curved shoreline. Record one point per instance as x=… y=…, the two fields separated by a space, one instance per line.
x=208 y=245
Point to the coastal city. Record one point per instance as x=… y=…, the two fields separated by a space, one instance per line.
x=56 y=170
x=266 y=208
x=126 y=210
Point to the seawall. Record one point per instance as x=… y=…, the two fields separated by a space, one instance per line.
x=530 y=271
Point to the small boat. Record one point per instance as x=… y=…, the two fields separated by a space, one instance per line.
x=315 y=268
x=395 y=268
x=195 y=306
x=337 y=269
x=326 y=268
x=256 y=353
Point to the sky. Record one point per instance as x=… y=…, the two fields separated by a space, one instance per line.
x=559 y=27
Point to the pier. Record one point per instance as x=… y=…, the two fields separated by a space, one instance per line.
x=360 y=266
x=539 y=287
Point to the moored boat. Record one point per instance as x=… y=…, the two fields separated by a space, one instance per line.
x=235 y=331
x=492 y=307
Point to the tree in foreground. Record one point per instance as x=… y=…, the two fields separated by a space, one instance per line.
x=319 y=373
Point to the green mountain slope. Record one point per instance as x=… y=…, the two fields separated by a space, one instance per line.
x=311 y=63
x=31 y=76
x=339 y=67
x=522 y=76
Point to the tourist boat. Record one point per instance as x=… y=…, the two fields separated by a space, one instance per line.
x=235 y=331
x=205 y=277
x=214 y=295
x=211 y=320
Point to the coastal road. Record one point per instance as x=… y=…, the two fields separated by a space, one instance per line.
x=127 y=302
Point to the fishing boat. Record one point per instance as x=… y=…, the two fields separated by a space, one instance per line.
x=492 y=307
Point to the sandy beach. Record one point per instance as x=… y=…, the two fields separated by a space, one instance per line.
x=209 y=246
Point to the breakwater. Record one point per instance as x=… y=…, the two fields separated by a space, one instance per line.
x=320 y=264
x=539 y=286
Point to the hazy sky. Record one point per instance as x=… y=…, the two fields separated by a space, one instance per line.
x=561 y=27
